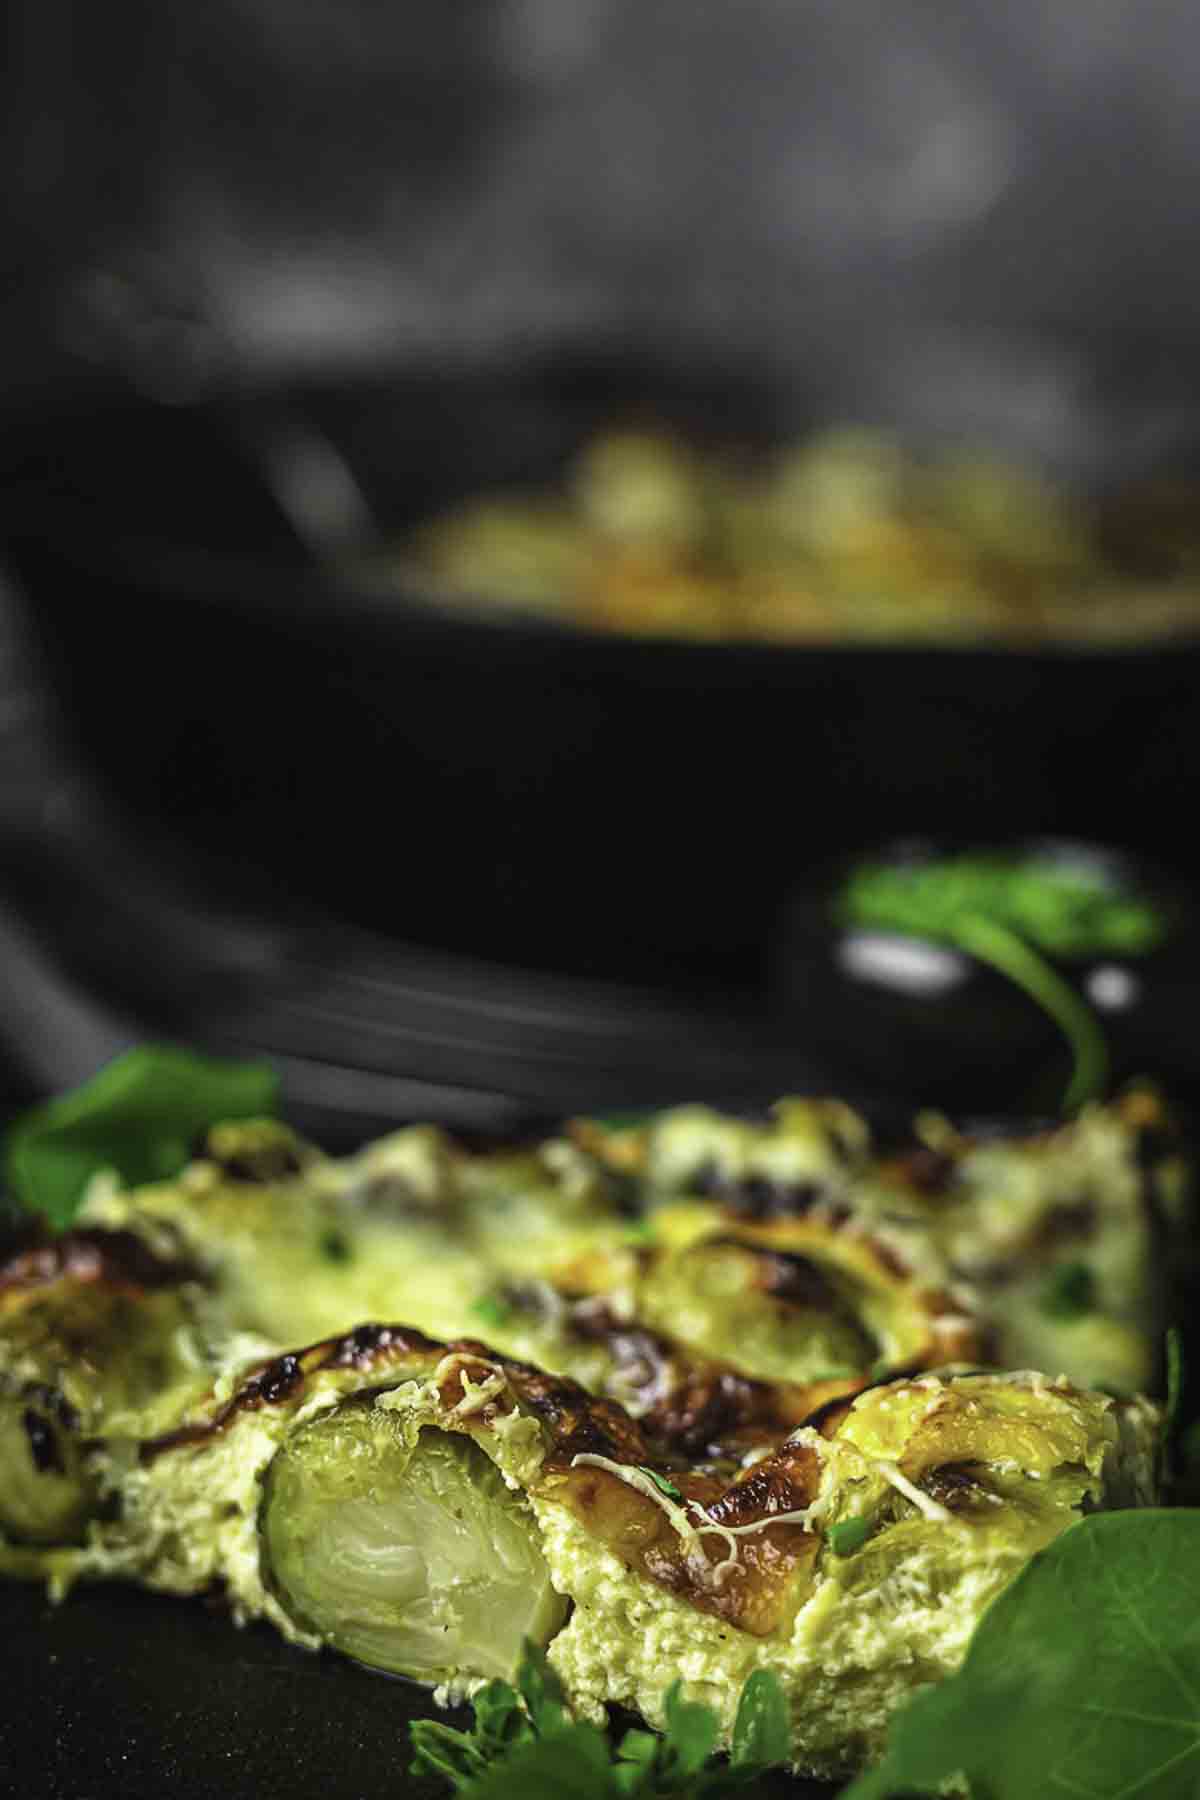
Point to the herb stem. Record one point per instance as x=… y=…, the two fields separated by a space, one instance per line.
x=996 y=944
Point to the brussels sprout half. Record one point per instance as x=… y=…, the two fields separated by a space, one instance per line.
x=414 y=1559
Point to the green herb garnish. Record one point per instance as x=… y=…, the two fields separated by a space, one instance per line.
x=538 y=1752
x=140 y=1117
x=491 y=1309
x=335 y=1246
x=1062 y=906
x=848 y=1536
x=1082 y=1678
x=632 y=1120
x=1070 y=1292
x=1173 y=1356
x=1013 y=912
x=661 y=1483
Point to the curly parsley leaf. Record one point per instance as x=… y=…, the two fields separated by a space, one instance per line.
x=1082 y=1680
x=139 y=1116
x=524 y=1745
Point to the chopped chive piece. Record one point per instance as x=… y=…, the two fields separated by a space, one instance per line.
x=661 y=1483
x=491 y=1309
x=640 y=1231
x=335 y=1246
x=1173 y=1351
x=848 y=1536
x=1070 y=1293
x=622 y=1121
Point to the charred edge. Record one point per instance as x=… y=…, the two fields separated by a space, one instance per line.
x=827 y=1417
x=755 y=1197
x=786 y=1482
x=1068 y=1222
x=578 y=1423
x=792 y=1276
x=280 y=1379
x=789 y=1275
x=117 y=1258
x=955 y=1486
x=932 y=1173
x=44 y=1448
x=695 y=1407
x=48 y=1400
x=642 y=1355
x=259 y=1168
x=707 y=1411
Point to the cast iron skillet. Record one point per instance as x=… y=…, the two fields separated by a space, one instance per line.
x=524 y=790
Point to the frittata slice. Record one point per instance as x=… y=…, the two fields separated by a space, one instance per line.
x=424 y=1506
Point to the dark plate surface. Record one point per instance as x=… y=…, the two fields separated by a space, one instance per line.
x=122 y=1695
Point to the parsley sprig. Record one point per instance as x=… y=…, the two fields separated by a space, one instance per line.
x=1015 y=911
x=525 y=1743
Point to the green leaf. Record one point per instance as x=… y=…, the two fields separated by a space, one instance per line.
x=515 y=1753
x=848 y=1536
x=691 y=1733
x=1082 y=1678
x=574 y=1761
x=762 y=1734
x=1013 y=911
x=1069 y=1293
x=500 y=1720
x=1064 y=906
x=541 y=1691
x=139 y=1116
x=440 y=1750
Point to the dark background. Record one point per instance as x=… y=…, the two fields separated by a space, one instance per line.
x=956 y=215
x=445 y=243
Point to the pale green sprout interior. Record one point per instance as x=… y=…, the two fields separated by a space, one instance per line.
x=413 y=1559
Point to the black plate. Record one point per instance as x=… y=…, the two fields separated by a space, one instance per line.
x=122 y=1695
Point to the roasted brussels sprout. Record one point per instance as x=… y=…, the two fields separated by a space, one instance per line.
x=411 y=1557
x=98 y=1338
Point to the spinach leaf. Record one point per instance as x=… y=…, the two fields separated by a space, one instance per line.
x=139 y=1116
x=1082 y=1680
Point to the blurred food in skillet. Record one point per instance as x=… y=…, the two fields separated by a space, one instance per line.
x=847 y=536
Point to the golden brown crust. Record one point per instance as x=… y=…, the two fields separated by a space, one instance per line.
x=117 y=1259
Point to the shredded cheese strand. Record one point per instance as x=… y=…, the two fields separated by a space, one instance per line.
x=932 y=1509
x=677 y=1515
x=474 y=1397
